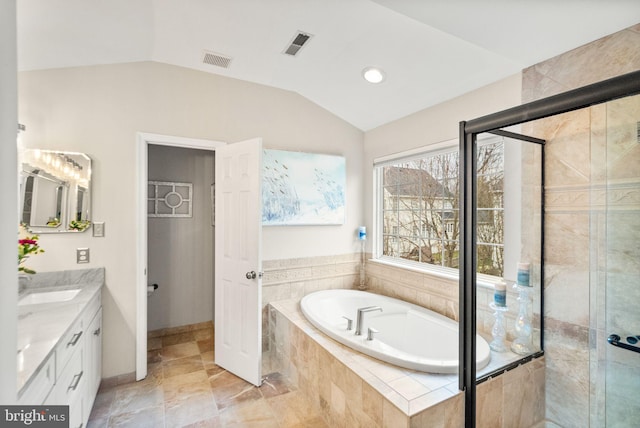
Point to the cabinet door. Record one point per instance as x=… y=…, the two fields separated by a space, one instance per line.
x=70 y=388
x=93 y=356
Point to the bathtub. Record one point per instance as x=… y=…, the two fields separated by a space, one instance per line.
x=409 y=336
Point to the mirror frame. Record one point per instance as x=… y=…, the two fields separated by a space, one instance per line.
x=72 y=171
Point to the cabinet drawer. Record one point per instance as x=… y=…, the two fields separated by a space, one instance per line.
x=39 y=388
x=67 y=345
x=70 y=383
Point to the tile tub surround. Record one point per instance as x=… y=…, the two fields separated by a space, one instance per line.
x=293 y=278
x=41 y=326
x=352 y=389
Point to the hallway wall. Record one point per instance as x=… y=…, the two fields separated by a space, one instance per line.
x=180 y=249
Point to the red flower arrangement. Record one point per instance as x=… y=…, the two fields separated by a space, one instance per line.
x=26 y=246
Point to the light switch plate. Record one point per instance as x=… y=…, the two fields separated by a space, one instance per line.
x=98 y=229
x=82 y=255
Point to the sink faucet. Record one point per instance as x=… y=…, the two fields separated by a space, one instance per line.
x=360 y=318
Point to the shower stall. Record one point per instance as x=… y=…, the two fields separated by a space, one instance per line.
x=578 y=154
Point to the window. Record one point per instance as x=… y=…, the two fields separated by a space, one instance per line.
x=418 y=218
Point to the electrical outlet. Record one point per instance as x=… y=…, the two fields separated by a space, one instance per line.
x=98 y=229
x=82 y=255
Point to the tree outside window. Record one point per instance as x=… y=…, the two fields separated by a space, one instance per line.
x=420 y=219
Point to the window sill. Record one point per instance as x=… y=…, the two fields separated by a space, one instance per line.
x=482 y=280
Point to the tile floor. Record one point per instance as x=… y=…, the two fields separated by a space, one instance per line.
x=184 y=388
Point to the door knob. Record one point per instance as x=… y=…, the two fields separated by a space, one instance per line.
x=251 y=275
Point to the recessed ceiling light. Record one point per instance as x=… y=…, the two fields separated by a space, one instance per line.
x=373 y=75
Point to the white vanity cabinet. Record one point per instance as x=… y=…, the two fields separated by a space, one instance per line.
x=71 y=374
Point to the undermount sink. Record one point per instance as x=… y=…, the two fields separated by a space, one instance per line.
x=48 y=297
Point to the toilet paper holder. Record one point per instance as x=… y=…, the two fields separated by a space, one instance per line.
x=151 y=288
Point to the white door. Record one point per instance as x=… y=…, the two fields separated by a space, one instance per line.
x=238 y=262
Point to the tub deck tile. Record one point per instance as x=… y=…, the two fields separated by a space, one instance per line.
x=409 y=388
x=431 y=399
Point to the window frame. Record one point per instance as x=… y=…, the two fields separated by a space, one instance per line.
x=444 y=147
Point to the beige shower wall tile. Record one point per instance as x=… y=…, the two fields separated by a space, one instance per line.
x=449 y=414
x=623 y=249
x=489 y=403
x=623 y=150
x=598 y=143
x=567 y=294
x=567 y=240
x=622 y=316
x=610 y=56
x=567 y=151
x=523 y=397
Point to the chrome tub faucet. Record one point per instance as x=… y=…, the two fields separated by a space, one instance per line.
x=360 y=317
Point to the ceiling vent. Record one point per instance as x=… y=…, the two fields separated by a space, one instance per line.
x=216 y=59
x=297 y=43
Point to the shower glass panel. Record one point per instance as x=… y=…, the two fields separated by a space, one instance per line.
x=509 y=248
x=616 y=402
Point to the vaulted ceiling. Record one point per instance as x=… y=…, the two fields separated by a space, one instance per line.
x=430 y=50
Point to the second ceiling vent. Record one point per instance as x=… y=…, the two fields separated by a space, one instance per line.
x=297 y=43
x=213 y=58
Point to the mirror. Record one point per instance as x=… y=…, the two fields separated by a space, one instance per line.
x=55 y=191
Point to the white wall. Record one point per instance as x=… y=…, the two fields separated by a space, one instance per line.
x=8 y=211
x=180 y=249
x=433 y=125
x=98 y=110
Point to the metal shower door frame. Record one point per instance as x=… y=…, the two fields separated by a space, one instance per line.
x=597 y=93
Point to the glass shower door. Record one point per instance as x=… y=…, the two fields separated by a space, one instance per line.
x=620 y=405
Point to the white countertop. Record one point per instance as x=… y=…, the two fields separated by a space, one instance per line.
x=41 y=326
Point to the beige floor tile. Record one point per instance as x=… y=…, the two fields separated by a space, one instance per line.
x=178 y=388
x=102 y=404
x=179 y=351
x=182 y=366
x=152 y=417
x=175 y=339
x=275 y=384
x=206 y=423
x=256 y=414
x=98 y=422
x=229 y=390
x=205 y=345
x=189 y=410
x=214 y=371
x=208 y=360
x=136 y=397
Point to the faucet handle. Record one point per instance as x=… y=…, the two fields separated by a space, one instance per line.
x=349 y=323
x=370 y=333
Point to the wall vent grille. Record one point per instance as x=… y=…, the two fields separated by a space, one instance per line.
x=216 y=59
x=298 y=41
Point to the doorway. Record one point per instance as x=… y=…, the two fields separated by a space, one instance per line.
x=180 y=241
x=142 y=280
